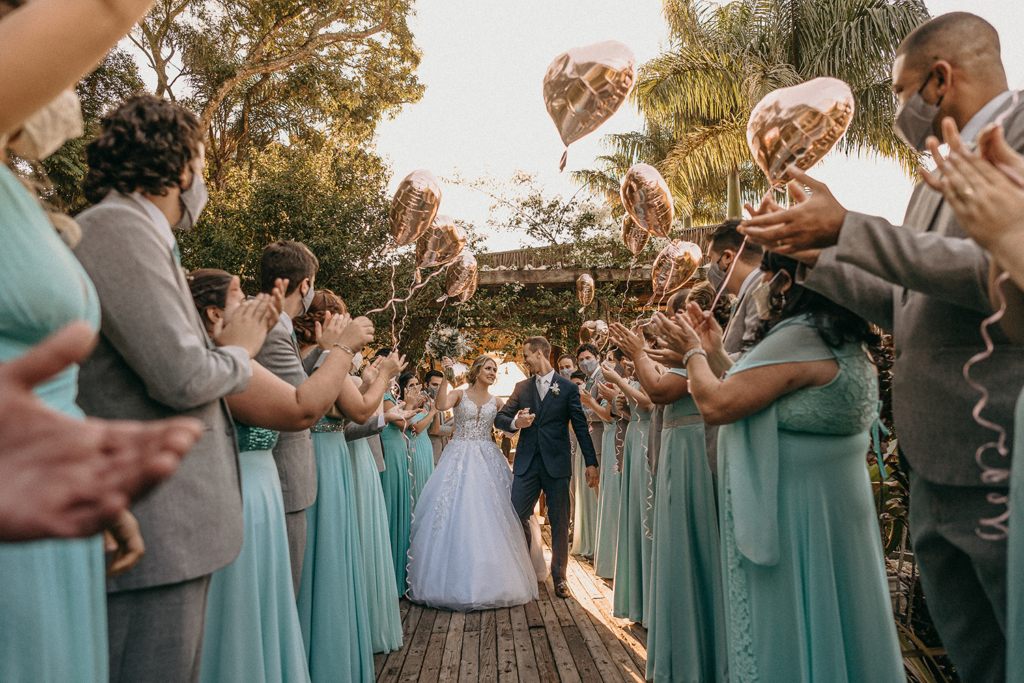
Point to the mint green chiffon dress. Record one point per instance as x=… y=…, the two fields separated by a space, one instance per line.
x=633 y=552
x=422 y=452
x=806 y=592
x=252 y=625
x=375 y=543
x=396 y=482
x=607 y=533
x=1015 y=558
x=53 y=600
x=333 y=609
x=585 y=515
x=686 y=624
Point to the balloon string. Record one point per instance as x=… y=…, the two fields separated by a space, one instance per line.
x=433 y=326
x=649 y=501
x=412 y=505
x=728 y=274
x=412 y=289
x=629 y=277
x=990 y=475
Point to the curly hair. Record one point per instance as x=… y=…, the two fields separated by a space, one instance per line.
x=145 y=144
x=305 y=325
x=703 y=294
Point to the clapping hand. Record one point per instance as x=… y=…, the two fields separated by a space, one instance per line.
x=357 y=334
x=608 y=370
x=677 y=333
x=813 y=222
x=667 y=357
x=630 y=344
x=329 y=332
x=393 y=365
x=607 y=390
x=277 y=294
x=399 y=414
x=248 y=326
x=706 y=326
x=371 y=372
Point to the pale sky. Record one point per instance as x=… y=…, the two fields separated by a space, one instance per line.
x=483 y=113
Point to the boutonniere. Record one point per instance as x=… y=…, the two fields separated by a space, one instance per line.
x=555 y=389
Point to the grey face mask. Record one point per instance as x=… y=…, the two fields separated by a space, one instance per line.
x=432 y=391
x=307 y=300
x=915 y=120
x=193 y=201
x=566 y=372
x=588 y=366
x=716 y=276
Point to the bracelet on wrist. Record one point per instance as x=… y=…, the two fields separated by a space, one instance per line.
x=691 y=353
x=345 y=349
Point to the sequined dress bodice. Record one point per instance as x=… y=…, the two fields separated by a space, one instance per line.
x=474 y=422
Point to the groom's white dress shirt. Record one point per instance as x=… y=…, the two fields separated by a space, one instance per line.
x=544 y=383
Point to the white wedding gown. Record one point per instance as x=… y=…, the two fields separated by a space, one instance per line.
x=468 y=551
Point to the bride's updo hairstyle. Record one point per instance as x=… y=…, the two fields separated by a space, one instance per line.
x=478 y=365
x=305 y=325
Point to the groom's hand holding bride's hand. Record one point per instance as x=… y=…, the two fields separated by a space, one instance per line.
x=593 y=477
x=524 y=419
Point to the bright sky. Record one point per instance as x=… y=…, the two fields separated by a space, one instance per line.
x=483 y=113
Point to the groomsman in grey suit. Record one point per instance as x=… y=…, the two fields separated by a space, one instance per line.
x=724 y=244
x=927 y=284
x=294 y=455
x=155 y=360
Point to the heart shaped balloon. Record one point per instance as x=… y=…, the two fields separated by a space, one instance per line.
x=414 y=206
x=467 y=293
x=462 y=272
x=594 y=332
x=674 y=266
x=646 y=198
x=442 y=242
x=585 y=86
x=798 y=125
x=585 y=290
x=634 y=237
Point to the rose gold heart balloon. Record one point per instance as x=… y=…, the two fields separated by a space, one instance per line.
x=466 y=294
x=674 y=266
x=633 y=236
x=461 y=272
x=585 y=86
x=442 y=242
x=414 y=206
x=594 y=332
x=585 y=290
x=798 y=125
x=646 y=198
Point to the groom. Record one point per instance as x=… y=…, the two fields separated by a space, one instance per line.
x=543 y=406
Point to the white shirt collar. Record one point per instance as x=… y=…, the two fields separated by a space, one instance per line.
x=286 y=320
x=548 y=377
x=984 y=116
x=750 y=281
x=159 y=219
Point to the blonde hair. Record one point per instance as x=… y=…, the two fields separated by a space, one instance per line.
x=477 y=366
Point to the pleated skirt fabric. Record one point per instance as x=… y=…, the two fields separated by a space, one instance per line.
x=396 y=482
x=633 y=553
x=606 y=535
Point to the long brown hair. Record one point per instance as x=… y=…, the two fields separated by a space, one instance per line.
x=478 y=365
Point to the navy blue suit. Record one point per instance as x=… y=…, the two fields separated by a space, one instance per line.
x=544 y=456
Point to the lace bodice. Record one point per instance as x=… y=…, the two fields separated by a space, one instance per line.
x=846 y=405
x=474 y=422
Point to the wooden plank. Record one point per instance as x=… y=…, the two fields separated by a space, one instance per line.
x=533 y=618
x=418 y=648
x=585 y=573
x=453 y=649
x=559 y=649
x=546 y=668
x=585 y=666
x=507 y=672
x=526 y=662
x=469 y=668
x=379 y=660
x=432 y=659
x=598 y=651
x=611 y=635
x=488 y=647
x=564 y=618
x=396 y=660
x=473 y=621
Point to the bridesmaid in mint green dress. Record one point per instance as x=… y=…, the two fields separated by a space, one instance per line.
x=585 y=515
x=396 y=483
x=252 y=626
x=633 y=552
x=806 y=592
x=607 y=533
x=422 y=454
x=333 y=608
x=375 y=543
x=52 y=593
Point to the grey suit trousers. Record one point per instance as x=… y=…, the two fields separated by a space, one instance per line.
x=156 y=634
x=962 y=574
x=295 y=524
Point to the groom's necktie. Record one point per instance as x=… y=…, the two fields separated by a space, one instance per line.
x=542 y=387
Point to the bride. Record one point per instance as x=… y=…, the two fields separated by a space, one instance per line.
x=468 y=551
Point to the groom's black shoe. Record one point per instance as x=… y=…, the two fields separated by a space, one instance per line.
x=562 y=589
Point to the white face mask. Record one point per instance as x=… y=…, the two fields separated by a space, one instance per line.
x=46 y=130
x=763 y=297
x=588 y=366
x=307 y=299
x=193 y=201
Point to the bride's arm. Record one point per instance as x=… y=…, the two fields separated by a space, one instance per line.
x=443 y=401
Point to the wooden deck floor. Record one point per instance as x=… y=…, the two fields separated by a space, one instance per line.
x=576 y=640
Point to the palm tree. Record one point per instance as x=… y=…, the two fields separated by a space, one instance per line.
x=722 y=59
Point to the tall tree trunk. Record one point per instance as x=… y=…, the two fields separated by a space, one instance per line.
x=734 y=205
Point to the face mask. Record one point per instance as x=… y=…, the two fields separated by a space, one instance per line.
x=716 y=276
x=307 y=300
x=193 y=200
x=50 y=127
x=566 y=372
x=915 y=120
x=763 y=297
x=588 y=366
x=357 y=362
x=432 y=391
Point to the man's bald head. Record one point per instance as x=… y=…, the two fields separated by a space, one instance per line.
x=966 y=41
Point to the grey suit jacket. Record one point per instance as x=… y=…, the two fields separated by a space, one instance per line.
x=294 y=455
x=926 y=283
x=743 y=323
x=154 y=360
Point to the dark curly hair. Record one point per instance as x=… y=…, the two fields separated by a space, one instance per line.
x=835 y=324
x=145 y=144
x=305 y=325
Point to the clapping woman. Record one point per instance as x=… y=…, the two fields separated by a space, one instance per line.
x=806 y=592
